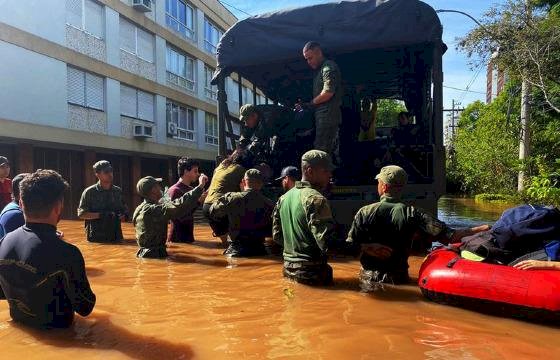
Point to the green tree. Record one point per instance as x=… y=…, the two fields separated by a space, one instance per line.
x=388 y=111
x=485 y=148
x=525 y=42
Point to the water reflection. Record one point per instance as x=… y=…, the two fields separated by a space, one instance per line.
x=465 y=212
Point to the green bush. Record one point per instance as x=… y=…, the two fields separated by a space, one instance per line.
x=545 y=187
x=496 y=198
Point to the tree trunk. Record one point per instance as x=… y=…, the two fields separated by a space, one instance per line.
x=524 y=136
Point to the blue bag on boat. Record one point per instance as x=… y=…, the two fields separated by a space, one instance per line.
x=526 y=228
x=553 y=250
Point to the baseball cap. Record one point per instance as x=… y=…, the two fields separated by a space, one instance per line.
x=392 y=175
x=318 y=158
x=246 y=110
x=290 y=171
x=145 y=185
x=102 y=165
x=4 y=161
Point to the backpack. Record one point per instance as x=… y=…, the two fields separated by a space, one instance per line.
x=484 y=244
x=526 y=228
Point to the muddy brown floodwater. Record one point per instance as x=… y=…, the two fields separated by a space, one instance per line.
x=199 y=305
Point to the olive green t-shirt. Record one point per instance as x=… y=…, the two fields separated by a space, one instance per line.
x=224 y=180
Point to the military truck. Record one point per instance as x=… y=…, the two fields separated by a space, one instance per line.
x=389 y=50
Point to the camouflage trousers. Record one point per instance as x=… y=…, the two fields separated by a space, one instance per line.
x=152 y=253
x=326 y=131
x=309 y=274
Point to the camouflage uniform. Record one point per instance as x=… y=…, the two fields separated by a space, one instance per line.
x=328 y=115
x=256 y=137
x=303 y=224
x=110 y=205
x=249 y=216
x=150 y=219
x=392 y=223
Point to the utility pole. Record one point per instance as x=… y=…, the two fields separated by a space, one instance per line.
x=524 y=136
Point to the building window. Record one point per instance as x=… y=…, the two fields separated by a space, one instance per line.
x=136 y=41
x=179 y=16
x=211 y=91
x=247 y=95
x=180 y=69
x=212 y=35
x=86 y=15
x=85 y=89
x=136 y=103
x=233 y=95
x=211 y=129
x=184 y=118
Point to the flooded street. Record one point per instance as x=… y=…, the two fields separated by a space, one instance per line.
x=199 y=305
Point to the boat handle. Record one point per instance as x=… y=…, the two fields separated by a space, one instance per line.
x=453 y=261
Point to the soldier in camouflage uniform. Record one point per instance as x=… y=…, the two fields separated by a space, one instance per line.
x=303 y=223
x=383 y=231
x=327 y=98
x=249 y=216
x=102 y=207
x=151 y=216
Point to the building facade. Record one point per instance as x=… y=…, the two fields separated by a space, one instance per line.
x=123 y=80
x=495 y=81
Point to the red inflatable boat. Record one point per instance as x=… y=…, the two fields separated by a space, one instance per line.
x=447 y=278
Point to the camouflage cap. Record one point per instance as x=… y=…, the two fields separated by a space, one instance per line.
x=102 y=165
x=254 y=174
x=4 y=161
x=145 y=185
x=392 y=175
x=246 y=110
x=317 y=158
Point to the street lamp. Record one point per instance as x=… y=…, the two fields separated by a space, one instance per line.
x=461 y=12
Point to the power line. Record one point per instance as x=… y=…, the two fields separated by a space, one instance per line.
x=235 y=8
x=467 y=90
x=480 y=67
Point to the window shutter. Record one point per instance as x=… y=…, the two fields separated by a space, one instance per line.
x=127 y=36
x=94 y=91
x=175 y=114
x=74 y=13
x=190 y=119
x=190 y=68
x=145 y=106
x=182 y=118
x=94 y=18
x=75 y=86
x=128 y=101
x=145 y=45
x=190 y=17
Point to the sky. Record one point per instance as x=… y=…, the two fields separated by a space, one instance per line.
x=457 y=71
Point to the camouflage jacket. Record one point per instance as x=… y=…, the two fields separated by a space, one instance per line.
x=249 y=214
x=110 y=204
x=303 y=224
x=257 y=139
x=392 y=223
x=150 y=219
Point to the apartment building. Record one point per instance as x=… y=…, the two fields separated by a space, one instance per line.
x=123 y=80
x=495 y=81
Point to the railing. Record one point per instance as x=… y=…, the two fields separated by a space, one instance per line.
x=180 y=81
x=179 y=27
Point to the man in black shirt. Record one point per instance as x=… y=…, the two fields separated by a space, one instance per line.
x=42 y=277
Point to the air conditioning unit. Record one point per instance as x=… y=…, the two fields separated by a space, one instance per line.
x=171 y=129
x=142 y=5
x=142 y=131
